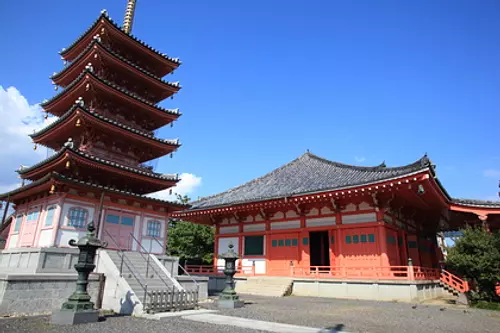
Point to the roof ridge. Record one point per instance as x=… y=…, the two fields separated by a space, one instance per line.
x=75 y=106
x=360 y=167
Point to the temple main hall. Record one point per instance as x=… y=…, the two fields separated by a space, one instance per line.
x=316 y=217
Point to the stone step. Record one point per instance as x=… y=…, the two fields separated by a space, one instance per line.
x=269 y=286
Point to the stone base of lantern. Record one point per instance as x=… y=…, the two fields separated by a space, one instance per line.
x=230 y=303
x=65 y=317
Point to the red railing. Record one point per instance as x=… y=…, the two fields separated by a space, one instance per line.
x=454 y=281
x=333 y=272
x=213 y=270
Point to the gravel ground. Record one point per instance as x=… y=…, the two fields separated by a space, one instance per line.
x=115 y=325
x=367 y=316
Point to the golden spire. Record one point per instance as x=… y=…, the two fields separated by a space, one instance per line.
x=129 y=16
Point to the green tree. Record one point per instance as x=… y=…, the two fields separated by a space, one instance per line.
x=476 y=256
x=189 y=240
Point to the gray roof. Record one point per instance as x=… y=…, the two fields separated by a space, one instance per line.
x=306 y=174
x=477 y=203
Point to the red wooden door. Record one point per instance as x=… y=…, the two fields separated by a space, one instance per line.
x=118 y=230
x=29 y=229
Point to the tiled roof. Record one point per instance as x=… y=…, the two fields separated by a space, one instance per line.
x=102 y=161
x=306 y=174
x=476 y=203
x=104 y=15
x=108 y=120
x=115 y=87
x=58 y=176
x=116 y=55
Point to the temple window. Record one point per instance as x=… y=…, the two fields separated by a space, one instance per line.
x=32 y=216
x=254 y=246
x=50 y=216
x=77 y=217
x=19 y=221
x=153 y=229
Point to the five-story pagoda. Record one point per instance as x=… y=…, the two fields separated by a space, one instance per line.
x=107 y=114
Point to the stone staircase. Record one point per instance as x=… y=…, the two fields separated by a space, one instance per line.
x=142 y=276
x=265 y=286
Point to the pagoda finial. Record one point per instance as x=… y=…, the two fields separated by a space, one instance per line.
x=129 y=16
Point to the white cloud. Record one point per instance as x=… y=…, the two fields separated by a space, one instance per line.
x=186 y=186
x=491 y=173
x=360 y=159
x=18 y=119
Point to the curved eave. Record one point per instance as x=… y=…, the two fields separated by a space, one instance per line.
x=477 y=207
x=53 y=130
x=44 y=184
x=103 y=21
x=40 y=185
x=85 y=57
x=333 y=193
x=78 y=85
x=66 y=154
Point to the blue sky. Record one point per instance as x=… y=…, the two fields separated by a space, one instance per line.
x=353 y=81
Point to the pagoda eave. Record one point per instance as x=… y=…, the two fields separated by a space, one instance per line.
x=74 y=122
x=89 y=82
x=55 y=183
x=105 y=26
x=98 y=55
x=68 y=159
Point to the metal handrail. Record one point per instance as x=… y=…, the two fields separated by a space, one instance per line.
x=189 y=275
x=157 y=273
x=130 y=266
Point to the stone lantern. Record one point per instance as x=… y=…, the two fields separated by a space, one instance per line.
x=78 y=309
x=228 y=298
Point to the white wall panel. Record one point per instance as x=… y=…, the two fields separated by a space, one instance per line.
x=359 y=218
x=285 y=225
x=45 y=239
x=321 y=221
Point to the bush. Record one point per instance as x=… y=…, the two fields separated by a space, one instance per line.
x=476 y=257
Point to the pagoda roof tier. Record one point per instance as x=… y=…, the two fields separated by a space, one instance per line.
x=56 y=134
x=308 y=174
x=88 y=83
x=105 y=56
x=44 y=185
x=138 y=180
x=160 y=63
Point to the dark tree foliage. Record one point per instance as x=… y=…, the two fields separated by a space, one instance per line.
x=476 y=256
x=190 y=241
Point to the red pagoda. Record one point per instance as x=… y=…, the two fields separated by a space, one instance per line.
x=107 y=114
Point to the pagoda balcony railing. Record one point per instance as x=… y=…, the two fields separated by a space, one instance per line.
x=408 y=273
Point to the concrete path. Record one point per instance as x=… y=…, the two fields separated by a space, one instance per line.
x=254 y=324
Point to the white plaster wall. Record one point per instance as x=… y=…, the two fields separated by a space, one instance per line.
x=223 y=245
x=359 y=218
x=254 y=227
x=137 y=231
x=155 y=247
x=13 y=241
x=285 y=225
x=45 y=238
x=260 y=265
x=64 y=236
x=228 y=230
x=321 y=221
